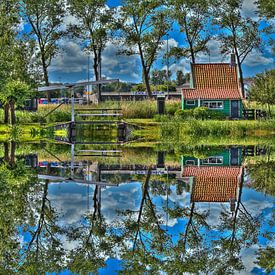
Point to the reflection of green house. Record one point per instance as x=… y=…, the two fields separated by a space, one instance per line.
x=227 y=157
x=215 y=86
x=215 y=178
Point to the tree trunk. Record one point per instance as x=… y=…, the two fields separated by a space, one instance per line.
x=12 y=156
x=147 y=82
x=145 y=71
x=6 y=113
x=192 y=54
x=240 y=73
x=96 y=72
x=12 y=110
x=6 y=152
x=45 y=74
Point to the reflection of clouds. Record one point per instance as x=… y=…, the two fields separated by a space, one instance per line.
x=69 y=206
x=248 y=256
x=70 y=200
x=125 y=197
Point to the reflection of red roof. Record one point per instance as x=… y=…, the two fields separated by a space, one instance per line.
x=213 y=184
x=213 y=81
x=211 y=93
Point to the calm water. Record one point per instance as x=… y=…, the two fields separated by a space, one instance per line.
x=86 y=210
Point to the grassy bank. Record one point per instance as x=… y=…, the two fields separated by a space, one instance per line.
x=130 y=110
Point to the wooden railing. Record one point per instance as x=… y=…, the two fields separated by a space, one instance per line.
x=254 y=114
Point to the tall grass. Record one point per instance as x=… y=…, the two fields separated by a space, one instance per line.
x=129 y=109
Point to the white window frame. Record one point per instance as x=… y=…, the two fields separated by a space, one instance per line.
x=190 y=104
x=217 y=102
x=206 y=161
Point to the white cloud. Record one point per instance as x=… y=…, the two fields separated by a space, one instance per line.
x=249 y=9
x=257 y=59
x=71 y=59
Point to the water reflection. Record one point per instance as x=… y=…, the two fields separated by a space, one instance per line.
x=203 y=210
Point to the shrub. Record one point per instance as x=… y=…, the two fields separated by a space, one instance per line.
x=205 y=113
x=184 y=114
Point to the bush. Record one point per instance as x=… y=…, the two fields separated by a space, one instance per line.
x=201 y=113
x=184 y=114
x=204 y=113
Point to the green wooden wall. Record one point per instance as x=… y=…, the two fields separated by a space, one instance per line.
x=226 y=106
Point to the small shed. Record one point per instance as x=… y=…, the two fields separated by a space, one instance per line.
x=215 y=86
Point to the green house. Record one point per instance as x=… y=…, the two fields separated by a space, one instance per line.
x=215 y=86
x=226 y=157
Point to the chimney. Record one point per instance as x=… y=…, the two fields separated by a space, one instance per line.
x=233 y=59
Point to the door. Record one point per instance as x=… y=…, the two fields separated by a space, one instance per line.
x=234 y=156
x=235 y=108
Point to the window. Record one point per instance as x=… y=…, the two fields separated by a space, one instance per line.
x=190 y=102
x=213 y=160
x=190 y=162
x=213 y=104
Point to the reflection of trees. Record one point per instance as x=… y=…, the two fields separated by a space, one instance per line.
x=142 y=230
x=262 y=176
x=94 y=243
x=189 y=253
x=44 y=251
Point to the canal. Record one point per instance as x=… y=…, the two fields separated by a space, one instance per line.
x=112 y=208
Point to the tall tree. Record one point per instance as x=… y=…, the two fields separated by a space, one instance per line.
x=239 y=34
x=94 y=25
x=144 y=25
x=263 y=89
x=14 y=53
x=193 y=19
x=45 y=18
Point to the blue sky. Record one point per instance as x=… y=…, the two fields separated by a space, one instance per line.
x=71 y=64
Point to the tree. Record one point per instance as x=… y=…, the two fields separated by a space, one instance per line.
x=239 y=35
x=263 y=89
x=45 y=18
x=143 y=26
x=95 y=23
x=15 y=92
x=159 y=77
x=182 y=78
x=266 y=8
x=193 y=19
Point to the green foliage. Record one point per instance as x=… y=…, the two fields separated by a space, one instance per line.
x=143 y=24
x=45 y=18
x=239 y=34
x=184 y=114
x=200 y=113
x=182 y=78
x=266 y=259
x=159 y=77
x=94 y=27
x=193 y=19
x=263 y=89
x=266 y=8
x=16 y=90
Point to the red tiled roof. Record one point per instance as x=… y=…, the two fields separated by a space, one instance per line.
x=211 y=93
x=213 y=184
x=214 y=75
x=213 y=81
x=214 y=189
x=211 y=171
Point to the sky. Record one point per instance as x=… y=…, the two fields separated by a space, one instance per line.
x=71 y=65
